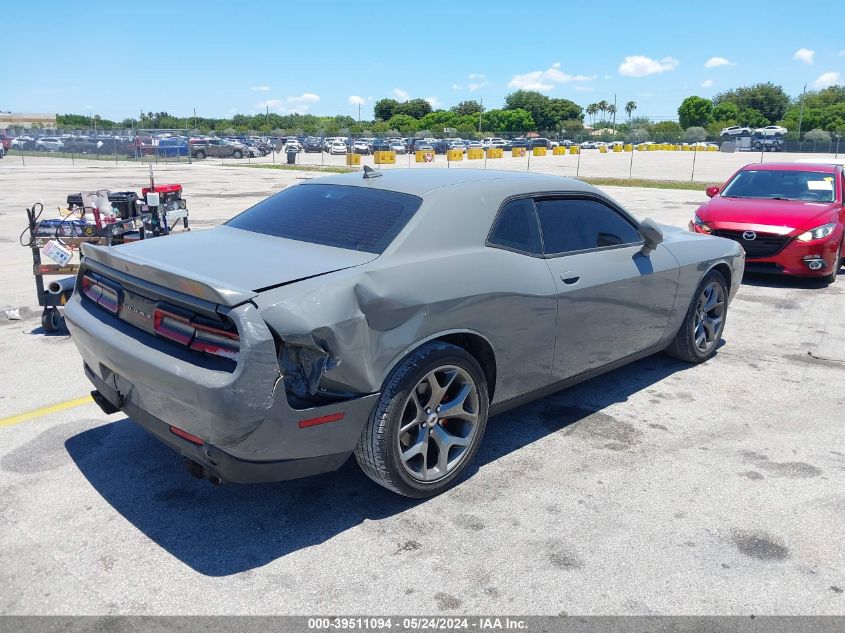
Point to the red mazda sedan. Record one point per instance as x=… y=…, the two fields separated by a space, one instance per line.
x=789 y=217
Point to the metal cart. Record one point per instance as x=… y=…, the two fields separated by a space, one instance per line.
x=55 y=294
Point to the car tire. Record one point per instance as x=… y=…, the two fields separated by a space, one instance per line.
x=237 y=154
x=200 y=155
x=409 y=401
x=687 y=345
x=829 y=279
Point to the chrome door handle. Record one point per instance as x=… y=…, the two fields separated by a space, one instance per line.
x=570 y=278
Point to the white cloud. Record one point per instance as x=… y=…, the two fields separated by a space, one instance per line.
x=434 y=102
x=273 y=104
x=545 y=79
x=584 y=88
x=260 y=88
x=607 y=76
x=457 y=87
x=804 y=55
x=478 y=86
x=715 y=62
x=356 y=100
x=306 y=97
x=641 y=66
x=476 y=76
x=826 y=80
x=280 y=107
x=400 y=94
x=707 y=83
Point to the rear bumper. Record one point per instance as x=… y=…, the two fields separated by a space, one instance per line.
x=218 y=463
x=243 y=417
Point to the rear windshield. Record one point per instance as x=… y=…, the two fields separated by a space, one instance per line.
x=354 y=218
x=811 y=186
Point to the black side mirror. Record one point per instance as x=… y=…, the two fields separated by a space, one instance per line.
x=652 y=234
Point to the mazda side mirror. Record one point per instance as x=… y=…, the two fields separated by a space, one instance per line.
x=711 y=191
x=652 y=234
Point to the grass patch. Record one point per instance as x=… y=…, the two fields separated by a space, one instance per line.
x=331 y=169
x=686 y=185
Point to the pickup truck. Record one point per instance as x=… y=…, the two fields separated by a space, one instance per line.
x=217 y=147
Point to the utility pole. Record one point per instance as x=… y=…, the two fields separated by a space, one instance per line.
x=480 y=113
x=801 y=114
x=614 y=116
x=267 y=115
x=359 y=113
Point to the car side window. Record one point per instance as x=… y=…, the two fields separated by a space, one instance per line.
x=577 y=224
x=516 y=227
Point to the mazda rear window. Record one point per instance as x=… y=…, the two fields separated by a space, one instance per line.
x=353 y=218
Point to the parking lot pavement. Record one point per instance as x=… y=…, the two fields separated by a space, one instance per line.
x=658 y=488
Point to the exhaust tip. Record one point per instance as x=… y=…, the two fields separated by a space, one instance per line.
x=103 y=402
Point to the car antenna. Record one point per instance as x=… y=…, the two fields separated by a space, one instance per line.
x=369 y=172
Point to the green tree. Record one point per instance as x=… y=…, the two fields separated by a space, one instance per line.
x=694 y=111
x=416 y=108
x=467 y=107
x=817 y=136
x=695 y=134
x=592 y=110
x=517 y=120
x=752 y=118
x=406 y=125
x=767 y=98
x=383 y=109
x=629 y=108
x=725 y=111
x=666 y=131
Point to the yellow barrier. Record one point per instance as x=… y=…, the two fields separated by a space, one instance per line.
x=353 y=159
x=712 y=148
x=539 y=151
x=518 y=152
x=454 y=154
x=558 y=151
x=602 y=149
x=475 y=154
x=384 y=158
x=628 y=147
x=424 y=155
x=495 y=152
x=574 y=149
x=617 y=148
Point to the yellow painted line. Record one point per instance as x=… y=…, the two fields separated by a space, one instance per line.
x=37 y=413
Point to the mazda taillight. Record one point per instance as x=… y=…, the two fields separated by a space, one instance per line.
x=196 y=334
x=102 y=293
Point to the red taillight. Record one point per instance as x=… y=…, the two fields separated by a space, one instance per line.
x=102 y=293
x=198 y=337
x=332 y=417
x=187 y=436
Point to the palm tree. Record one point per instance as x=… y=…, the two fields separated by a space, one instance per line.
x=591 y=111
x=611 y=110
x=602 y=105
x=629 y=108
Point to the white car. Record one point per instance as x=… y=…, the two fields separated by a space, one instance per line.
x=398 y=147
x=361 y=147
x=495 y=143
x=293 y=146
x=770 y=130
x=589 y=145
x=338 y=147
x=49 y=144
x=736 y=130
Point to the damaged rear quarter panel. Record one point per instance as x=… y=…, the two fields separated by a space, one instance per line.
x=347 y=330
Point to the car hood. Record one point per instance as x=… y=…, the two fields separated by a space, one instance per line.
x=224 y=264
x=792 y=214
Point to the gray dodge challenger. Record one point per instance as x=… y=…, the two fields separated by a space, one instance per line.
x=386 y=314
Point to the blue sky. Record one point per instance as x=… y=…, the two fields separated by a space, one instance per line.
x=326 y=57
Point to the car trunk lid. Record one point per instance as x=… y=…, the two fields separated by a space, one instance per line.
x=224 y=265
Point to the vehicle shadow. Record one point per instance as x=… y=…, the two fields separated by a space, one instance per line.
x=762 y=280
x=234 y=528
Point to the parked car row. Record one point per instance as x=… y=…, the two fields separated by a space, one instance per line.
x=736 y=131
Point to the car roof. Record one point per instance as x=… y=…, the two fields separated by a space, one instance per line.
x=418 y=182
x=820 y=167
